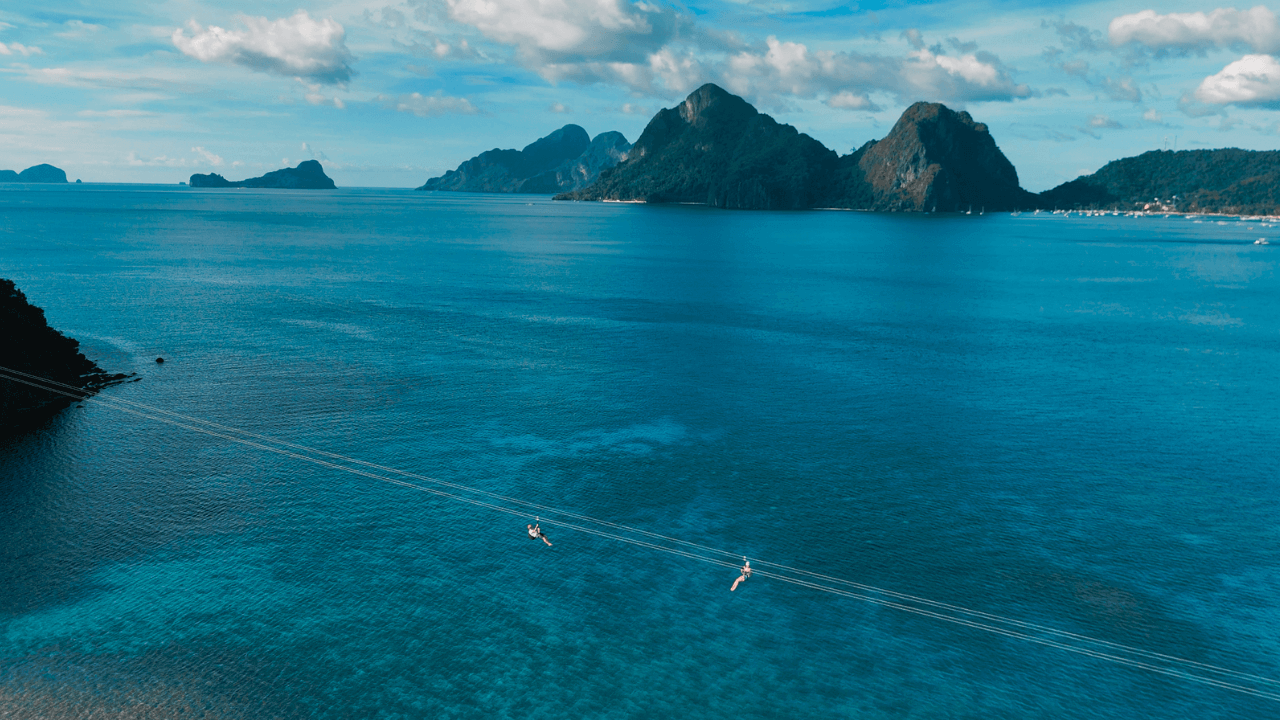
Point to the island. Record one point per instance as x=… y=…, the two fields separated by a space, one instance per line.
x=716 y=149
x=32 y=347
x=1226 y=181
x=309 y=175
x=43 y=173
x=563 y=161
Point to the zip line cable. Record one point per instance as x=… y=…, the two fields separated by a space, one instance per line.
x=296 y=452
x=868 y=588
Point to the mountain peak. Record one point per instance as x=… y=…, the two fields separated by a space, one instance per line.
x=937 y=158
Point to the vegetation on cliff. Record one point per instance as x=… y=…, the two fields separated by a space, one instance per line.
x=715 y=148
x=32 y=347
x=1232 y=181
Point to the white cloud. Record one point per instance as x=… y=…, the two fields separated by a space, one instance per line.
x=20 y=49
x=845 y=100
x=558 y=108
x=292 y=46
x=1255 y=28
x=630 y=109
x=560 y=31
x=429 y=105
x=1153 y=115
x=1102 y=121
x=1251 y=80
x=314 y=153
x=78 y=28
x=214 y=160
x=116 y=113
x=315 y=97
x=157 y=161
x=788 y=68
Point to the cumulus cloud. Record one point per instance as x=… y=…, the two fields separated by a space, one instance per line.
x=429 y=105
x=564 y=31
x=1102 y=121
x=214 y=160
x=1251 y=80
x=20 y=49
x=315 y=97
x=787 y=68
x=558 y=108
x=1255 y=28
x=314 y=153
x=845 y=100
x=295 y=46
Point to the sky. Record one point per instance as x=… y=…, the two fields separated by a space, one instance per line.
x=391 y=93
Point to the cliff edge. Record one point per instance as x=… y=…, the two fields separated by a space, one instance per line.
x=31 y=346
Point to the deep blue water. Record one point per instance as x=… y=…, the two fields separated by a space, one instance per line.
x=1069 y=421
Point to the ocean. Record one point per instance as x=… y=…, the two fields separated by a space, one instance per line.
x=1065 y=421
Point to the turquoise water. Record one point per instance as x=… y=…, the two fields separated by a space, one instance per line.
x=1069 y=421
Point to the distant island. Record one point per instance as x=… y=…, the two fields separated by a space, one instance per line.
x=309 y=175
x=42 y=173
x=566 y=160
x=716 y=149
x=31 y=346
x=1229 y=181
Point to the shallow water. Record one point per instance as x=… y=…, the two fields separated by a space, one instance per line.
x=1069 y=421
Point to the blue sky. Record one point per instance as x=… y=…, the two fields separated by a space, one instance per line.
x=391 y=93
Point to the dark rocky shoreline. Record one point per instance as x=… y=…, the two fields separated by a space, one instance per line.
x=32 y=347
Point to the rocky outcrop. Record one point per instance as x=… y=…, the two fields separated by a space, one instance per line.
x=35 y=174
x=1229 y=180
x=31 y=346
x=566 y=159
x=933 y=159
x=715 y=148
x=309 y=175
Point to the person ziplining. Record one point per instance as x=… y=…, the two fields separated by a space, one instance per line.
x=746 y=573
x=535 y=532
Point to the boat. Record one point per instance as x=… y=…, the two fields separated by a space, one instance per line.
x=1261 y=241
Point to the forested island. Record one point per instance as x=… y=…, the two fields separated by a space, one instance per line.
x=31 y=346
x=43 y=173
x=566 y=160
x=716 y=149
x=309 y=175
x=1229 y=181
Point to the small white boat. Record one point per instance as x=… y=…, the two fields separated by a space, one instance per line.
x=1261 y=241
